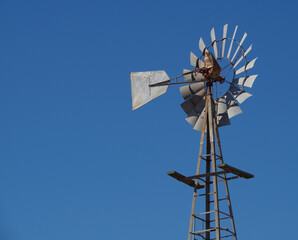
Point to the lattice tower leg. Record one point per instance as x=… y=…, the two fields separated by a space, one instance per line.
x=225 y=180
x=205 y=216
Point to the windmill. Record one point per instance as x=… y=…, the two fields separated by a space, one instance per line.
x=212 y=91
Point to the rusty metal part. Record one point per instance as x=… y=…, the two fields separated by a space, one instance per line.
x=211 y=64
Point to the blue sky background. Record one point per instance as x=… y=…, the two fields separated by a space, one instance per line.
x=77 y=163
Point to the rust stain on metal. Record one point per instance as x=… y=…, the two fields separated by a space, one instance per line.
x=211 y=64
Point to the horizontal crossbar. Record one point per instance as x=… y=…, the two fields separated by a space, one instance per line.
x=206 y=175
x=223 y=237
x=235 y=171
x=183 y=179
x=203 y=231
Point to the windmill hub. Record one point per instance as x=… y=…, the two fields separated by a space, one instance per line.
x=211 y=69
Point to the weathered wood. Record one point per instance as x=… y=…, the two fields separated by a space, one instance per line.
x=211 y=118
x=198 y=170
x=206 y=175
x=183 y=179
x=235 y=171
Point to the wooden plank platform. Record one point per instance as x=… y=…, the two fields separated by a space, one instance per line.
x=236 y=171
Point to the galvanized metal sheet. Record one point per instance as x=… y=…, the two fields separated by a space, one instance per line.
x=245 y=81
x=201 y=63
x=251 y=64
x=198 y=76
x=225 y=30
x=243 y=96
x=215 y=106
x=221 y=112
x=202 y=46
x=199 y=107
x=198 y=96
x=223 y=120
x=246 y=52
x=187 y=77
x=240 y=70
x=189 y=105
x=221 y=106
x=233 y=108
x=246 y=67
x=239 y=81
x=231 y=45
x=194 y=115
x=192 y=76
x=249 y=81
x=213 y=38
x=240 y=44
x=199 y=124
x=189 y=90
x=141 y=92
x=239 y=94
x=193 y=59
x=192 y=119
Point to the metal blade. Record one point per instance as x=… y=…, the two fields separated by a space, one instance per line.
x=246 y=67
x=212 y=33
x=201 y=63
x=187 y=77
x=245 y=81
x=199 y=124
x=251 y=64
x=223 y=120
x=141 y=92
x=192 y=119
x=230 y=49
x=222 y=115
x=193 y=59
x=198 y=76
x=249 y=81
x=225 y=30
x=221 y=106
x=189 y=90
x=239 y=60
x=240 y=44
x=239 y=94
x=194 y=115
x=233 y=108
x=202 y=46
x=189 y=105
x=240 y=70
x=192 y=76
x=199 y=107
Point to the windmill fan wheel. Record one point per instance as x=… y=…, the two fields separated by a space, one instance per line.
x=219 y=68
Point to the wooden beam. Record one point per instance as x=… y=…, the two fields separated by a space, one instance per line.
x=236 y=171
x=183 y=179
x=206 y=175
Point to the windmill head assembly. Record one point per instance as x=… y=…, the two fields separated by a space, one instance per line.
x=212 y=91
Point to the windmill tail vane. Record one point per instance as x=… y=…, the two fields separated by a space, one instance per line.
x=207 y=110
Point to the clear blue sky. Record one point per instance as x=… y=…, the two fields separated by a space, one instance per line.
x=76 y=162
